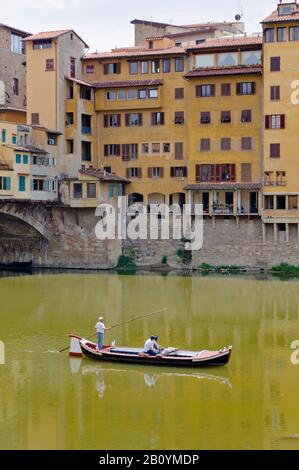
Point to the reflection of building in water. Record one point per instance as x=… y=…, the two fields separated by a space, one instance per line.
x=150 y=380
x=100 y=383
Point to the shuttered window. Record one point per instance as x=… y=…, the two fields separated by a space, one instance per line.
x=246 y=176
x=275 y=64
x=274 y=150
x=205 y=91
x=179 y=150
x=179 y=93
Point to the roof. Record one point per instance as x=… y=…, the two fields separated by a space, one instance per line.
x=193 y=32
x=150 y=23
x=15 y=30
x=223 y=186
x=231 y=41
x=27 y=148
x=134 y=52
x=80 y=82
x=53 y=35
x=129 y=83
x=104 y=176
x=238 y=70
x=45 y=129
x=276 y=17
x=4 y=108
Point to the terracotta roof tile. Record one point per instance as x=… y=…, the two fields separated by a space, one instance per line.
x=80 y=82
x=129 y=83
x=138 y=52
x=238 y=70
x=276 y=17
x=228 y=42
x=223 y=186
x=27 y=148
x=52 y=35
x=104 y=176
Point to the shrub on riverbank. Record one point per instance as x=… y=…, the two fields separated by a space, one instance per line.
x=230 y=269
x=164 y=260
x=125 y=262
x=285 y=268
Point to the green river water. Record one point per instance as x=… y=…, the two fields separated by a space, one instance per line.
x=48 y=401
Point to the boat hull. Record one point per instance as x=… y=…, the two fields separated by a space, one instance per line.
x=15 y=266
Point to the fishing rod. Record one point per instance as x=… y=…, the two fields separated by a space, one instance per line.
x=124 y=323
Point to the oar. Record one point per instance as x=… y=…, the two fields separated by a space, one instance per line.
x=124 y=323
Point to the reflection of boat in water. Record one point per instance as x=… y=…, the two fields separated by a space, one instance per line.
x=171 y=357
x=15 y=266
x=150 y=379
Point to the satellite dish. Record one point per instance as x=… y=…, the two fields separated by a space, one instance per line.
x=238 y=17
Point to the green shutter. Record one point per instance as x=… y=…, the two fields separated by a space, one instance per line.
x=22 y=183
x=3 y=136
x=32 y=185
x=120 y=189
x=25 y=159
x=111 y=191
x=18 y=158
x=6 y=183
x=14 y=139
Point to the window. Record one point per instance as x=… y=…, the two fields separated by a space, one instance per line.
x=15 y=87
x=86 y=124
x=132 y=94
x=275 y=121
x=178 y=44
x=158 y=119
x=145 y=148
x=281 y=34
x=72 y=67
x=25 y=160
x=133 y=68
x=246 y=115
x=179 y=93
x=69 y=119
x=129 y=152
x=133 y=119
x=112 y=150
x=153 y=93
x=225 y=143
x=91 y=190
x=275 y=93
x=294 y=33
x=215 y=173
x=49 y=65
x=225 y=117
x=111 y=191
x=225 y=89
x=269 y=202
x=166 y=147
x=179 y=117
x=246 y=143
x=227 y=59
x=142 y=94
x=110 y=95
x=22 y=183
x=281 y=202
x=70 y=91
x=269 y=35
x=151 y=44
x=5 y=183
x=274 y=150
x=121 y=95
x=86 y=151
x=179 y=64
x=205 y=145
x=274 y=64
x=107 y=169
x=144 y=67
x=89 y=68
x=205 y=117
x=78 y=192
x=70 y=146
x=3 y=136
x=178 y=172
x=204 y=60
x=112 y=69
x=35 y=118
x=205 y=90
x=52 y=139
x=155 y=172
x=200 y=41
x=112 y=120
x=293 y=202
x=246 y=176
x=85 y=93
x=280 y=178
x=134 y=173
x=37 y=184
x=14 y=139
x=18 y=159
x=155 y=66
x=17 y=45
x=42 y=44
x=179 y=151
x=286 y=9
x=166 y=65
x=246 y=88
x=251 y=58
x=156 y=147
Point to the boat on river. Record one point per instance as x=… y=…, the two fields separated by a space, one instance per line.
x=16 y=266
x=167 y=357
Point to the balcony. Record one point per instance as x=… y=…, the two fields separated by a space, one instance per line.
x=86 y=130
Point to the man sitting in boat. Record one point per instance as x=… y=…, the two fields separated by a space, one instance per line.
x=151 y=346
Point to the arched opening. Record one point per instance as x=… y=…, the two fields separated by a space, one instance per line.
x=135 y=198
x=177 y=198
x=156 y=199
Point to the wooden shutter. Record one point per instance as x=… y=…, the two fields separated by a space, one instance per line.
x=153 y=119
x=275 y=150
x=162 y=120
x=106 y=120
x=217 y=172
x=198 y=91
x=233 y=172
x=35 y=118
x=239 y=87
x=106 y=150
x=282 y=121
x=125 y=151
x=172 y=171
x=128 y=172
x=127 y=120
x=140 y=119
x=106 y=69
x=246 y=173
x=253 y=87
x=267 y=122
x=118 y=150
x=118 y=120
x=179 y=150
x=139 y=172
x=150 y=172
x=185 y=172
x=198 y=173
x=179 y=93
x=161 y=172
x=213 y=89
x=118 y=68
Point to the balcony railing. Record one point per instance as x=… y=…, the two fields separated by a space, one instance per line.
x=86 y=130
x=223 y=209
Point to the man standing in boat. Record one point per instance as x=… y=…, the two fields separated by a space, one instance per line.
x=100 y=329
x=151 y=346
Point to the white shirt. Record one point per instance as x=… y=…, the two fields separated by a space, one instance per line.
x=150 y=345
x=100 y=327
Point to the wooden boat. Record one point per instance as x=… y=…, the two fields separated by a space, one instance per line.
x=167 y=357
x=16 y=266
